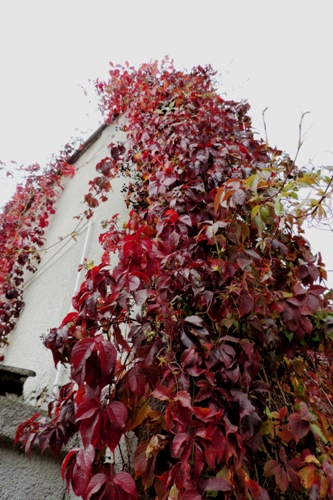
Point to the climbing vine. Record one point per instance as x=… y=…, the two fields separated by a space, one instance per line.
x=211 y=339
x=22 y=227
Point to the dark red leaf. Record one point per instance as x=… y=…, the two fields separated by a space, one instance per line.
x=246 y=304
x=115 y=423
x=178 y=443
x=216 y=484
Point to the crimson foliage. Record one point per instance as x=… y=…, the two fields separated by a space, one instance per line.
x=211 y=334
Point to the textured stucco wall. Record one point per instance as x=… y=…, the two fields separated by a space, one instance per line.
x=20 y=478
x=49 y=291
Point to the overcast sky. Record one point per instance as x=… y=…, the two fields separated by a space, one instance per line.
x=273 y=54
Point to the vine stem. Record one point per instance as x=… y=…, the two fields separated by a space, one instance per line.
x=281 y=390
x=300 y=142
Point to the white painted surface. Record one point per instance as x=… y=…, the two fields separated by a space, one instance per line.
x=49 y=291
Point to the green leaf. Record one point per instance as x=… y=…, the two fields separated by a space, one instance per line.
x=252 y=183
x=255 y=210
x=278 y=208
x=259 y=223
x=318 y=433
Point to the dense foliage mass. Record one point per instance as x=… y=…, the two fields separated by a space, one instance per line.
x=210 y=339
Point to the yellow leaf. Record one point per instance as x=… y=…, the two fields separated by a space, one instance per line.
x=225 y=473
x=306 y=180
x=321 y=213
x=252 y=183
x=174 y=493
x=267 y=427
x=255 y=210
x=311 y=459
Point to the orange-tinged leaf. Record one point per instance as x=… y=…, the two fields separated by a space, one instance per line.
x=285 y=435
x=217 y=198
x=307 y=475
x=138 y=414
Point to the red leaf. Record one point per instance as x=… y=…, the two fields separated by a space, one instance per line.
x=137 y=381
x=305 y=413
x=178 y=443
x=298 y=427
x=271 y=467
x=93 y=362
x=199 y=461
x=282 y=479
x=66 y=460
x=80 y=353
x=119 y=339
x=184 y=398
x=162 y=393
x=87 y=408
x=216 y=484
x=191 y=495
x=85 y=458
x=282 y=455
x=82 y=470
x=246 y=304
x=115 y=423
x=126 y=483
x=274 y=468
x=95 y=484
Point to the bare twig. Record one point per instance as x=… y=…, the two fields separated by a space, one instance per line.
x=265 y=126
x=300 y=137
x=281 y=390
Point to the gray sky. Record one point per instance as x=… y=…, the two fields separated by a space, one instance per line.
x=273 y=54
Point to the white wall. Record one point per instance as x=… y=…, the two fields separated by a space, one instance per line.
x=49 y=291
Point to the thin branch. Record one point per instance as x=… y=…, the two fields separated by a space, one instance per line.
x=281 y=390
x=265 y=126
x=300 y=137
